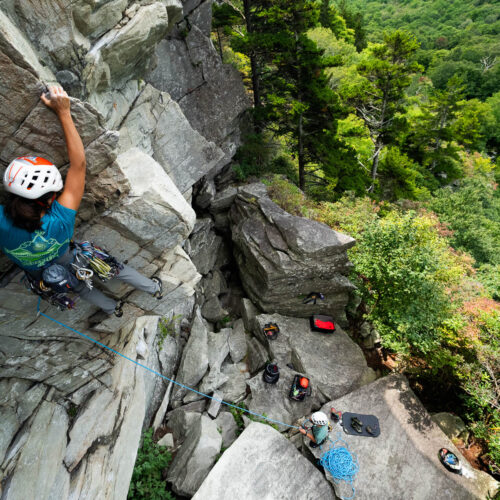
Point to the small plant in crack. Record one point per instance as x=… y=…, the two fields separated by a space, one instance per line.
x=166 y=328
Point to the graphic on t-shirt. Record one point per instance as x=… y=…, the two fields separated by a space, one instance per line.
x=38 y=250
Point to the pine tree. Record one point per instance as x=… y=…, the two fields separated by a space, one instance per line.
x=387 y=74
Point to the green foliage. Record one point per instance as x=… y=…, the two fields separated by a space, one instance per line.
x=238 y=413
x=148 y=482
x=457 y=38
x=472 y=212
x=166 y=328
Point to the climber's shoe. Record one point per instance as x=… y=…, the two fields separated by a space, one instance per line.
x=357 y=425
x=159 y=293
x=119 y=309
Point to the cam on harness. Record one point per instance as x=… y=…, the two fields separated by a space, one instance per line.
x=55 y=281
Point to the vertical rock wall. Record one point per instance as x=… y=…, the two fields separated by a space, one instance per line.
x=72 y=413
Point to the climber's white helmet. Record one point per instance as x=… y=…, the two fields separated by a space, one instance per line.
x=319 y=418
x=31 y=177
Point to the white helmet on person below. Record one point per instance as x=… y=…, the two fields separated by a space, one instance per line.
x=319 y=418
x=31 y=177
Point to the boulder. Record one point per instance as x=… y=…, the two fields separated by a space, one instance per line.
x=263 y=464
x=335 y=364
x=452 y=425
x=194 y=361
x=404 y=458
x=218 y=349
x=156 y=125
x=235 y=388
x=195 y=458
x=237 y=341
x=203 y=245
x=211 y=94
x=282 y=258
x=155 y=215
x=257 y=355
x=227 y=427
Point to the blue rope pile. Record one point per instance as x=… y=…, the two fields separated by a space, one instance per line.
x=341 y=464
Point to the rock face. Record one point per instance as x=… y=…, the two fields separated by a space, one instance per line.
x=61 y=396
x=196 y=457
x=283 y=258
x=261 y=463
x=404 y=458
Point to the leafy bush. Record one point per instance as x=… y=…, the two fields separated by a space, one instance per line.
x=147 y=479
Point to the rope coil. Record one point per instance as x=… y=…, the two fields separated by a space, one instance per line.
x=341 y=464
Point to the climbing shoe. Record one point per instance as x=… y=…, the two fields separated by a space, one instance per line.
x=159 y=293
x=119 y=309
x=357 y=425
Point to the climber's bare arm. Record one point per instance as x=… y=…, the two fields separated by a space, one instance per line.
x=74 y=186
x=306 y=434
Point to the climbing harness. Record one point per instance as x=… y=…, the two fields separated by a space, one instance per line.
x=104 y=346
x=271 y=373
x=323 y=324
x=103 y=265
x=340 y=463
x=37 y=286
x=450 y=461
x=271 y=330
x=300 y=388
x=313 y=297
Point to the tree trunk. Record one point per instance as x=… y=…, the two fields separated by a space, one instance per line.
x=220 y=45
x=302 y=165
x=254 y=67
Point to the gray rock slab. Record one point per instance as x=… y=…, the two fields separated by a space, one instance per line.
x=235 y=389
x=262 y=463
x=155 y=215
x=215 y=404
x=248 y=313
x=257 y=355
x=452 y=425
x=195 y=458
x=272 y=400
x=194 y=361
x=404 y=458
x=167 y=440
x=282 y=258
x=203 y=245
x=334 y=361
x=237 y=341
x=32 y=477
x=227 y=427
x=157 y=125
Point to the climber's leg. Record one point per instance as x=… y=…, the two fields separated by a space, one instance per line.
x=97 y=298
x=137 y=280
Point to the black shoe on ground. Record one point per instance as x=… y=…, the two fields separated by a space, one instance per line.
x=159 y=293
x=118 y=309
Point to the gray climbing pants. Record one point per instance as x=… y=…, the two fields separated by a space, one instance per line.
x=127 y=275
x=96 y=297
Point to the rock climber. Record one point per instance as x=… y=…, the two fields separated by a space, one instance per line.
x=320 y=429
x=37 y=221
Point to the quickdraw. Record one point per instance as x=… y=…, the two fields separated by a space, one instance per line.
x=103 y=265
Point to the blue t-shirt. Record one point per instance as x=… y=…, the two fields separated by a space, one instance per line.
x=320 y=433
x=32 y=251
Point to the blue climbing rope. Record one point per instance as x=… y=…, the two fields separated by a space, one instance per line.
x=340 y=463
x=40 y=313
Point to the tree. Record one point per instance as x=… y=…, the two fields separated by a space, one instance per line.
x=292 y=97
x=387 y=73
x=354 y=20
x=431 y=140
x=330 y=18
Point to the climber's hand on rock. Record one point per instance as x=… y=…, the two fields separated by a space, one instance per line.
x=56 y=99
